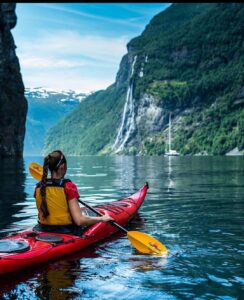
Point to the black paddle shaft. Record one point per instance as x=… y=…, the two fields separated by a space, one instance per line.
x=98 y=213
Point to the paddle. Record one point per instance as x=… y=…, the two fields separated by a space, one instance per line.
x=143 y=242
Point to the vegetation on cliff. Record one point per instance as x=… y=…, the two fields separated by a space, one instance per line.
x=88 y=128
x=192 y=56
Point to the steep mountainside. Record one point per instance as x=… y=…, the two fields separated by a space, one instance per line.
x=46 y=107
x=13 y=105
x=188 y=61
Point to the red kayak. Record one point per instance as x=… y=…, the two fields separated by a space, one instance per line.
x=30 y=247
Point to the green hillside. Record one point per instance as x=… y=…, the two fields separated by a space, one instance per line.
x=90 y=126
x=195 y=69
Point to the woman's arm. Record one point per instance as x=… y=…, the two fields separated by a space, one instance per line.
x=83 y=220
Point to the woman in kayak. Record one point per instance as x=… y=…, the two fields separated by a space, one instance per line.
x=57 y=200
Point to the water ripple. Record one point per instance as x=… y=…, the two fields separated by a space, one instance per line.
x=194 y=206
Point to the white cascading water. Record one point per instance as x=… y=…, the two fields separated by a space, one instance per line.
x=128 y=119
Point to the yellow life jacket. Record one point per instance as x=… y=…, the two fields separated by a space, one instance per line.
x=56 y=203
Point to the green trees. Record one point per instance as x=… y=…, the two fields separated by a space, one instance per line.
x=192 y=56
x=153 y=145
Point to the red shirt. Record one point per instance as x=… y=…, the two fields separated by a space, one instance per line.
x=71 y=191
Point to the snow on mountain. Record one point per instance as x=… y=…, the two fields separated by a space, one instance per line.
x=52 y=95
x=45 y=108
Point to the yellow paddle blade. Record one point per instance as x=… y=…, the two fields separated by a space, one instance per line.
x=36 y=171
x=144 y=243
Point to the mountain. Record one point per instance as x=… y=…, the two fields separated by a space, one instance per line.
x=45 y=108
x=189 y=61
x=13 y=105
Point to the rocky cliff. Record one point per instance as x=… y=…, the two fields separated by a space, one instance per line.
x=13 y=105
x=189 y=62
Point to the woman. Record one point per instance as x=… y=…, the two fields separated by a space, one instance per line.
x=57 y=200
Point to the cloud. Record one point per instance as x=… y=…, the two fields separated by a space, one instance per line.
x=62 y=81
x=35 y=62
x=68 y=60
x=71 y=45
x=145 y=9
x=125 y=22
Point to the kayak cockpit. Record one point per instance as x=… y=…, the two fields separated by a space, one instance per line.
x=11 y=246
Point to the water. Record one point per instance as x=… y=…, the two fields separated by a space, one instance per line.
x=194 y=206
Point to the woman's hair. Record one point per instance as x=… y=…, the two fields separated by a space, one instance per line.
x=52 y=162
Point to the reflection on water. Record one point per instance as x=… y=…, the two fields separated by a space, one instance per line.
x=12 y=195
x=58 y=282
x=194 y=206
x=170 y=179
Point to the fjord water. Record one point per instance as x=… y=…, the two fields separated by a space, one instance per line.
x=194 y=206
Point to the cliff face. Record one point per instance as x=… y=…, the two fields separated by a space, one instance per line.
x=13 y=104
x=189 y=62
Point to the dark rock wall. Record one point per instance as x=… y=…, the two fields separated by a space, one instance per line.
x=13 y=104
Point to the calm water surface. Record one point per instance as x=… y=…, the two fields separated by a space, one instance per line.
x=195 y=206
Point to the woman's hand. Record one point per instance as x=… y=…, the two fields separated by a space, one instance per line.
x=106 y=218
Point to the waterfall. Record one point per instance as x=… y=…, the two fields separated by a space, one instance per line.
x=128 y=118
x=141 y=72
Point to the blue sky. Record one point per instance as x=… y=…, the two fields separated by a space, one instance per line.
x=76 y=46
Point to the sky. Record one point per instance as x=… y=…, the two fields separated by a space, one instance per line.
x=76 y=46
